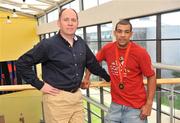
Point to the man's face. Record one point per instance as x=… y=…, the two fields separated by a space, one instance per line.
x=123 y=35
x=68 y=22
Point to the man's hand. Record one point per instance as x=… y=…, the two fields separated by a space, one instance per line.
x=85 y=84
x=49 y=89
x=145 y=111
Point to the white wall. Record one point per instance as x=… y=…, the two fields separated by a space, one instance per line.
x=115 y=10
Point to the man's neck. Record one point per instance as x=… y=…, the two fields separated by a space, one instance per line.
x=122 y=46
x=68 y=38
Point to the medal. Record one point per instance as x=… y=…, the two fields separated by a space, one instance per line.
x=122 y=61
x=121 y=86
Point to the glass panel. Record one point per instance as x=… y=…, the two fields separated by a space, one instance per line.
x=42 y=36
x=171 y=52
x=42 y=20
x=52 y=34
x=74 y=5
x=106 y=32
x=47 y=35
x=171 y=25
x=150 y=47
x=79 y=32
x=91 y=33
x=144 y=28
x=52 y=16
x=89 y=3
x=104 y=1
x=104 y=42
x=26 y=107
x=169 y=103
x=93 y=46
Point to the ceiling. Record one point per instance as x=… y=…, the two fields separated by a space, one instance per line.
x=31 y=7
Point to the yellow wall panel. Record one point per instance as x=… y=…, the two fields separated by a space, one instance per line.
x=16 y=38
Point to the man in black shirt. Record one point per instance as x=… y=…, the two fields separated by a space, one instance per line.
x=64 y=58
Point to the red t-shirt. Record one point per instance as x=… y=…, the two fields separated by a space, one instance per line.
x=138 y=65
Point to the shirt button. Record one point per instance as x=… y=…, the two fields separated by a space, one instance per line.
x=74 y=55
x=77 y=74
x=75 y=64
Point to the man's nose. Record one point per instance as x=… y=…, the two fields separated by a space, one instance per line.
x=70 y=22
x=123 y=33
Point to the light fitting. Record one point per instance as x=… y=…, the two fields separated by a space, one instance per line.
x=24 y=5
x=8 y=21
x=14 y=13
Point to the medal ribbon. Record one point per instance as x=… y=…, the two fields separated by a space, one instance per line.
x=121 y=73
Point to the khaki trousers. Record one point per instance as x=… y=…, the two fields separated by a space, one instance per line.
x=66 y=107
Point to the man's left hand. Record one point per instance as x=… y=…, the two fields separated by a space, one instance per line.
x=145 y=111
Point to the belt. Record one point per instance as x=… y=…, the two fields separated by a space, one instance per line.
x=71 y=90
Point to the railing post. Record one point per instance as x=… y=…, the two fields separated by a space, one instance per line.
x=171 y=103
x=102 y=102
x=88 y=107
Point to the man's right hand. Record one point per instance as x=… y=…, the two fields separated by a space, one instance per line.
x=49 y=89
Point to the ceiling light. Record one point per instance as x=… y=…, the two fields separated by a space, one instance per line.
x=8 y=21
x=14 y=13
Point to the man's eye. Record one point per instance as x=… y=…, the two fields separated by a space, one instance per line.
x=66 y=19
x=73 y=20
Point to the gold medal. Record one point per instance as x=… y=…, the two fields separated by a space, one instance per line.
x=121 y=86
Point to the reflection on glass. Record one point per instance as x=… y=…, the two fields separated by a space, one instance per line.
x=52 y=16
x=91 y=33
x=171 y=25
x=144 y=28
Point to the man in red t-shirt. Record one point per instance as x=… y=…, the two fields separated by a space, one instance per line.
x=127 y=64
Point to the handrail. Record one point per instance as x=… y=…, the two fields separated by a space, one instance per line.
x=97 y=104
x=166 y=67
x=93 y=84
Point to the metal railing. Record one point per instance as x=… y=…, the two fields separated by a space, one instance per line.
x=104 y=108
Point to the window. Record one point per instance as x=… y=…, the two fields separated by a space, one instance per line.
x=170 y=25
x=106 y=33
x=89 y=3
x=42 y=20
x=53 y=16
x=79 y=32
x=74 y=5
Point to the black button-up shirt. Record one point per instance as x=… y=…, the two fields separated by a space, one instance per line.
x=62 y=65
